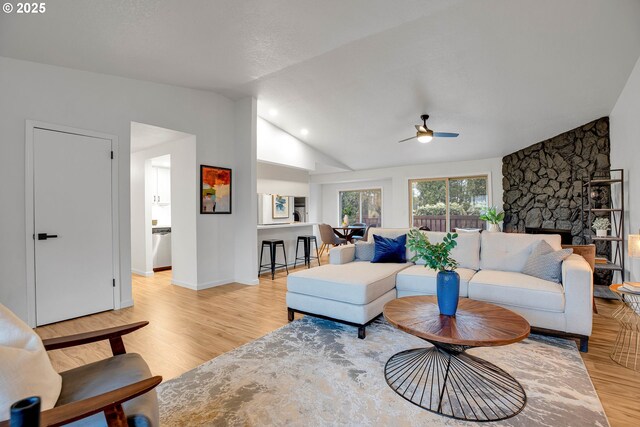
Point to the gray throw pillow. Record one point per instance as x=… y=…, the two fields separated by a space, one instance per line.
x=546 y=263
x=365 y=251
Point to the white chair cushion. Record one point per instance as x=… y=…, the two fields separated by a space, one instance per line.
x=421 y=280
x=357 y=282
x=25 y=368
x=516 y=289
x=510 y=251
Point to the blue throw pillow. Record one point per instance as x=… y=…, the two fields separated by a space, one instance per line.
x=390 y=250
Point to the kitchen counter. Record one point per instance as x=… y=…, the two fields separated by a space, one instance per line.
x=289 y=234
x=286 y=225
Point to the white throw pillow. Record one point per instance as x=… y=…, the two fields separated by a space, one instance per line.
x=546 y=263
x=25 y=368
x=365 y=251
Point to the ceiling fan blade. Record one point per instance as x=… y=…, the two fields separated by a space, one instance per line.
x=445 y=135
x=408 y=139
x=420 y=128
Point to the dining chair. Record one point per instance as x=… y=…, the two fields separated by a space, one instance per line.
x=361 y=235
x=329 y=238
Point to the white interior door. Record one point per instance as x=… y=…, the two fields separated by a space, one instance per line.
x=74 y=271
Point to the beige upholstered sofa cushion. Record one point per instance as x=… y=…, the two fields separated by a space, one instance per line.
x=421 y=280
x=25 y=368
x=517 y=289
x=466 y=252
x=358 y=282
x=510 y=251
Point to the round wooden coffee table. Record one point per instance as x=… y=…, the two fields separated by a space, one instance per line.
x=445 y=379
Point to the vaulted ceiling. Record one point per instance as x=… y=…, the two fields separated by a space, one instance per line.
x=357 y=74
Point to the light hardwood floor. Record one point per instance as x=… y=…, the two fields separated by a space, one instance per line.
x=188 y=328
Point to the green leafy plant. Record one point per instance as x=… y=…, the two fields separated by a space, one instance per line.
x=492 y=216
x=435 y=255
x=601 y=224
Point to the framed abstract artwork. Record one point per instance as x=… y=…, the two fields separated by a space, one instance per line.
x=280 y=206
x=215 y=190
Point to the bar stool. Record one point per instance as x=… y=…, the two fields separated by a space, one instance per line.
x=307 y=250
x=273 y=244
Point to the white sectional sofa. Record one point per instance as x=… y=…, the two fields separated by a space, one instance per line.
x=354 y=292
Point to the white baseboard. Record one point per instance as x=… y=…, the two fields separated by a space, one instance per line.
x=142 y=273
x=126 y=303
x=191 y=286
x=201 y=286
x=249 y=282
x=213 y=284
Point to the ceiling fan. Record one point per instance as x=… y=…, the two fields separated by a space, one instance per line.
x=425 y=134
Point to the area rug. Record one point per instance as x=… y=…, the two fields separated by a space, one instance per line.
x=313 y=372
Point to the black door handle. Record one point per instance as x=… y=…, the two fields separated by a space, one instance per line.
x=45 y=236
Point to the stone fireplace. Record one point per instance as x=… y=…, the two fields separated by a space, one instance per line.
x=543 y=183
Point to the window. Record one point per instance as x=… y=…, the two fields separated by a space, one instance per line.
x=364 y=206
x=443 y=204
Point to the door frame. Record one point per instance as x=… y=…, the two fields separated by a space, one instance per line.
x=30 y=126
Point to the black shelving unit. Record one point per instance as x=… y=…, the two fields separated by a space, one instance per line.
x=615 y=262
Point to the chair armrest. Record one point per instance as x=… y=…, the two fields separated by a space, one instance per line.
x=109 y=402
x=114 y=335
x=342 y=254
x=577 y=279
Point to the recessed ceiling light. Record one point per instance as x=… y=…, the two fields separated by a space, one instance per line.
x=304 y=131
x=273 y=112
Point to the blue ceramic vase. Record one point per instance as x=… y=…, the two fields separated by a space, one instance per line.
x=448 y=291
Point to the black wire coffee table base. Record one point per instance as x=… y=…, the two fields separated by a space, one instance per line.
x=446 y=380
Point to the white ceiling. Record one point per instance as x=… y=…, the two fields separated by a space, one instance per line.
x=162 y=161
x=357 y=74
x=145 y=136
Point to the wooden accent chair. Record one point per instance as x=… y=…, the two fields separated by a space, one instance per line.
x=329 y=238
x=120 y=387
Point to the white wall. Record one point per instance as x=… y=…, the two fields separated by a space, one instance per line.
x=245 y=202
x=275 y=179
x=625 y=141
x=108 y=104
x=184 y=205
x=395 y=184
x=278 y=147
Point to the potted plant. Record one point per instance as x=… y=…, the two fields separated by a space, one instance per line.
x=493 y=218
x=601 y=225
x=438 y=257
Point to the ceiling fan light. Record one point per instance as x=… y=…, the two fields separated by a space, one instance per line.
x=425 y=138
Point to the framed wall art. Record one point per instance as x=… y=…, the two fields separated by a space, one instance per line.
x=215 y=190
x=280 y=206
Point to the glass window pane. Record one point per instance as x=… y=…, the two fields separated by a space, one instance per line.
x=350 y=206
x=428 y=204
x=372 y=207
x=467 y=199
